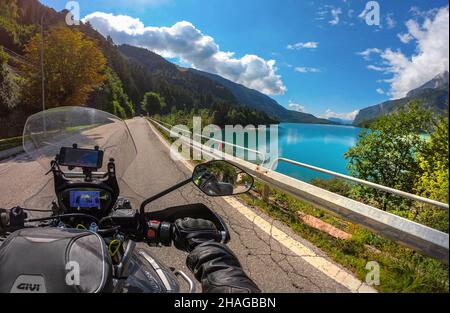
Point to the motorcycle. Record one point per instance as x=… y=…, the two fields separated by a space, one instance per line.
x=87 y=240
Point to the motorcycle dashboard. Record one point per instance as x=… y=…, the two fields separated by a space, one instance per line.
x=85 y=199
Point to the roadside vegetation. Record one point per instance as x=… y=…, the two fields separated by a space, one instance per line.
x=401 y=269
x=407 y=150
x=9 y=143
x=217 y=113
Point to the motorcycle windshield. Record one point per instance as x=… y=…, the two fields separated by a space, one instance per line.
x=47 y=131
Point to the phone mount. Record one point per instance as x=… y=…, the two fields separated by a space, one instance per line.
x=88 y=177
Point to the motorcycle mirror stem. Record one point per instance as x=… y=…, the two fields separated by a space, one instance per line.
x=162 y=194
x=215 y=178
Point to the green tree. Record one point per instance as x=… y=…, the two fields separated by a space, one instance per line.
x=433 y=183
x=9 y=86
x=3 y=56
x=153 y=103
x=12 y=32
x=73 y=66
x=111 y=97
x=386 y=154
x=336 y=185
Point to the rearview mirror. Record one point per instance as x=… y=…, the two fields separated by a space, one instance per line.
x=221 y=178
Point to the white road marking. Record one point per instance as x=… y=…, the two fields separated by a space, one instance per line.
x=308 y=255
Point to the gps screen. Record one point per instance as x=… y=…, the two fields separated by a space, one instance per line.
x=84 y=199
x=81 y=157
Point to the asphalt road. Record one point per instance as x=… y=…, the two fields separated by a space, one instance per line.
x=271 y=265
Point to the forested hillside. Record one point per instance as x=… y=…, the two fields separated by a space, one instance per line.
x=255 y=99
x=215 y=86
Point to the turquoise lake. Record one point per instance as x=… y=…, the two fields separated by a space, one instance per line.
x=319 y=145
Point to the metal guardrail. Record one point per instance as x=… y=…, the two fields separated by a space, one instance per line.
x=263 y=160
x=364 y=182
x=414 y=235
x=318 y=169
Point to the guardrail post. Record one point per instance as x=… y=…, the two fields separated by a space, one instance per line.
x=265 y=192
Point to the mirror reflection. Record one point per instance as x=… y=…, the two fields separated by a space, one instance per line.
x=221 y=178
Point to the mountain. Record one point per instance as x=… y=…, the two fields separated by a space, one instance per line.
x=215 y=85
x=440 y=82
x=432 y=95
x=340 y=121
x=162 y=70
x=258 y=100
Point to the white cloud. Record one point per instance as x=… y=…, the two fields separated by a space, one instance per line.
x=390 y=22
x=368 y=52
x=184 y=41
x=296 y=107
x=322 y=13
x=430 y=59
x=331 y=13
x=377 y=68
x=417 y=12
x=343 y=116
x=335 y=12
x=380 y=91
x=303 y=69
x=303 y=45
x=405 y=38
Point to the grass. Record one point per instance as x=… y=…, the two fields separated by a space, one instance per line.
x=9 y=143
x=401 y=269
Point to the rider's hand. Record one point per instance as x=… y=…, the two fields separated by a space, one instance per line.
x=190 y=232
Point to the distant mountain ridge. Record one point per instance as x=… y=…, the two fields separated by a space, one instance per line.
x=260 y=101
x=340 y=121
x=161 y=69
x=216 y=85
x=432 y=95
x=440 y=82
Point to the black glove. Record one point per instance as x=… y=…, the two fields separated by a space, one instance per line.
x=218 y=269
x=190 y=232
x=13 y=219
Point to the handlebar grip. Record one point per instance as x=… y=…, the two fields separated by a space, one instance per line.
x=4 y=220
x=13 y=219
x=162 y=233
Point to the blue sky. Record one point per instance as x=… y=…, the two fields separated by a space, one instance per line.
x=314 y=44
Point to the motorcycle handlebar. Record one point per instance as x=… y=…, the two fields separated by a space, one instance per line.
x=12 y=219
x=163 y=233
x=155 y=232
